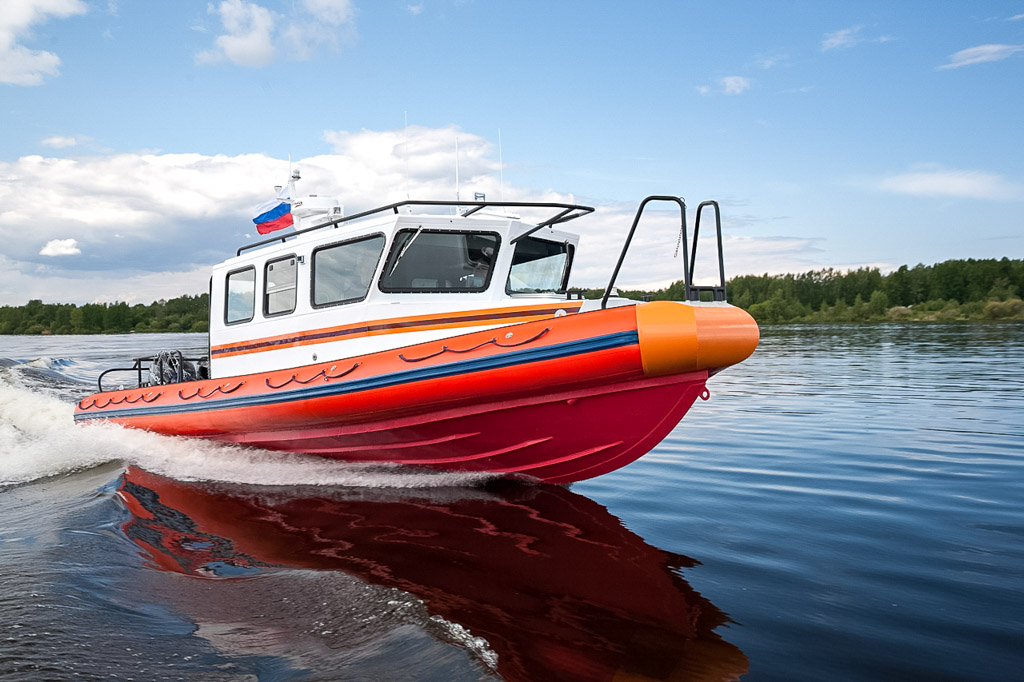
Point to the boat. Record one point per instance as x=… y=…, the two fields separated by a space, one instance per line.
x=441 y=335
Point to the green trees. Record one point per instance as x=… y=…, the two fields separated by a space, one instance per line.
x=952 y=290
x=182 y=314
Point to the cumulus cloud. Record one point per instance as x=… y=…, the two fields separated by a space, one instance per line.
x=254 y=35
x=734 y=85
x=20 y=65
x=157 y=235
x=247 y=40
x=61 y=247
x=981 y=53
x=960 y=184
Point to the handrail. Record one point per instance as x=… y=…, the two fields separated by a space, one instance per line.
x=137 y=368
x=563 y=216
x=717 y=292
x=629 y=239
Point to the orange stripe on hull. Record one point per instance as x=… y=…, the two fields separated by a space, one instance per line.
x=398 y=325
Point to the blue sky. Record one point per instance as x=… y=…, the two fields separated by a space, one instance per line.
x=137 y=135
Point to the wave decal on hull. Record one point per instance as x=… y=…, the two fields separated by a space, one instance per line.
x=510 y=359
x=513 y=316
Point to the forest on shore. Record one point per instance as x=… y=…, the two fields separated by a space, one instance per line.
x=954 y=290
x=182 y=314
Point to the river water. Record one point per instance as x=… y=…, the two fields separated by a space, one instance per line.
x=847 y=505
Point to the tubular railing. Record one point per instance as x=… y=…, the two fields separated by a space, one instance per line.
x=139 y=368
x=691 y=292
x=568 y=212
x=717 y=292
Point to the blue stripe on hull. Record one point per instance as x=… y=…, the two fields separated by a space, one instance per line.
x=511 y=359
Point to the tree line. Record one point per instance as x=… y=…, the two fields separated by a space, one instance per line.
x=182 y=314
x=952 y=290
x=970 y=289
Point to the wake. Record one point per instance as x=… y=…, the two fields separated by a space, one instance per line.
x=39 y=439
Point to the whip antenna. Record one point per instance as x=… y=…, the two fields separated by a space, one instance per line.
x=501 y=171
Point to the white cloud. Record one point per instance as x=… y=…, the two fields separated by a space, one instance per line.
x=20 y=65
x=770 y=60
x=59 y=141
x=331 y=12
x=703 y=89
x=415 y=9
x=248 y=40
x=255 y=35
x=850 y=37
x=961 y=184
x=61 y=247
x=1015 y=17
x=158 y=235
x=844 y=38
x=734 y=85
x=981 y=53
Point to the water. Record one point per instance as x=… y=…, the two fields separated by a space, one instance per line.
x=848 y=505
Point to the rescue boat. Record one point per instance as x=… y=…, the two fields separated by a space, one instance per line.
x=437 y=334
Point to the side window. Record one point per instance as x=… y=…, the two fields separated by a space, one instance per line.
x=439 y=261
x=342 y=273
x=279 y=286
x=240 y=302
x=539 y=266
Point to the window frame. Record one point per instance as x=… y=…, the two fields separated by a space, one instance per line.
x=227 y=295
x=570 y=254
x=266 y=280
x=450 y=290
x=343 y=242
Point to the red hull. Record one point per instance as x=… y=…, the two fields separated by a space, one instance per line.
x=555 y=438
x=558 y=400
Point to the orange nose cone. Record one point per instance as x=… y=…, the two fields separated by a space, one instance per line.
x=725 y=336
x=676 y=337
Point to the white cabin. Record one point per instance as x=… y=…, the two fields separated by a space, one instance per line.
x=339 y=287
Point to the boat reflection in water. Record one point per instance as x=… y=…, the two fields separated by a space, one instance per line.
x=553 y=583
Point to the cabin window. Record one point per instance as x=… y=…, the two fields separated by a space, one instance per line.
x=279 y=286
x=439 y=261
x=342 y=273
x=539 y=266
x=240 y=302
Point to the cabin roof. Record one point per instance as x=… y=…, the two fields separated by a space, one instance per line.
x=563 y=213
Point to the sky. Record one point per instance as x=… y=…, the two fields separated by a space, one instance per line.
x=137 y=136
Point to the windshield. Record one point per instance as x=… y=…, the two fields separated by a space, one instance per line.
x=439 y=261
x=539 y=266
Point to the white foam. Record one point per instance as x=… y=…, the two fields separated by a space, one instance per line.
x=39 y=439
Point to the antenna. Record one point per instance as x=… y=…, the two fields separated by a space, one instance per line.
x=501 y=171
x=456 y=171
x=405 y=153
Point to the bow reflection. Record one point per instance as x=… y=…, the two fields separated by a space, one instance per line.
x=554 y=583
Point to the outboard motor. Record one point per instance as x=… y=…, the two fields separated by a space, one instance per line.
x=170 y=367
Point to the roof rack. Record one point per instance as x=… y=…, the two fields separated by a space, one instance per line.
x=568 y=212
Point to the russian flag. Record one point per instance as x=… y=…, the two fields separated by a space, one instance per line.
x=275 y=214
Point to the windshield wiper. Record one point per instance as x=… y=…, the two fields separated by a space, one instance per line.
x=405 y=248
